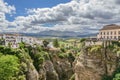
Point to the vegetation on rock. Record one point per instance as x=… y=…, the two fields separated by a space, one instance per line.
x=66 y=59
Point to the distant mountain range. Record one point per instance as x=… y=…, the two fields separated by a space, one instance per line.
x=61 y=34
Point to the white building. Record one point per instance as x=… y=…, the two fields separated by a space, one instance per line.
x=109 y=32
x=50 y=45
x=1 y=36
x=13 y=40
x=31 y=40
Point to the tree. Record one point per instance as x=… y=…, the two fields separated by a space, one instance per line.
x=45 y=43
x=71 y=58
x=2 y=41
x=9 y=67
x=116 y=50
x=9 y=45
x=82 y=40
x=22 y=45
x=39 y=58
x=56 y=43
x=117 y=77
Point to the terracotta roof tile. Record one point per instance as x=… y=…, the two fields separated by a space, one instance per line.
x=110 y=27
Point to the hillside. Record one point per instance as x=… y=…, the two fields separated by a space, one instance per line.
x=61 y=34
x=68 y=60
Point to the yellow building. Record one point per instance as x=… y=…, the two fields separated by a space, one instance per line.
x=109 y=32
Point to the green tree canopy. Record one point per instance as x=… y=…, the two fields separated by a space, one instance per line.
x=9 y=67
x=45 y=43
x=82 y=40
x=56 y=43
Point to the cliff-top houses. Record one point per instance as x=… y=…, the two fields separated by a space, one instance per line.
x=14 y=39
x=109 y=32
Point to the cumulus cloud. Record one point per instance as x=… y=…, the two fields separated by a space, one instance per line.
x=76 y=15
x=5 y=9
x=85 y=13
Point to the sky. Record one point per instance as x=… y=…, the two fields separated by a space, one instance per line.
x=22 y=5
x=33 y=16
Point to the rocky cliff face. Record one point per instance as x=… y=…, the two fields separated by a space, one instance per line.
x=32 y=73
x=87 y=69
x=84 y=67
x=51 y=73
x=91 y=68
x=57 y=69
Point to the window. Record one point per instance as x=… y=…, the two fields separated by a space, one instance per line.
x=119 y=37
x=101 y=33
x=111 y=37
x=107 y=33
x=119 y=32
x=114 y=37
x=111 y=32
x=115 y=32
x=104 y=36
x=104 y=33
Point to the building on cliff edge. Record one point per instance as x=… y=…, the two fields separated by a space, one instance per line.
x=109 y=32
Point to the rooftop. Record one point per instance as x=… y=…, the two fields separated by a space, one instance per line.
x=110 y=27
x=13 y=34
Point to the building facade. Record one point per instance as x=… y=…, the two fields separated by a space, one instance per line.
x=109 y=32
x=13 y=40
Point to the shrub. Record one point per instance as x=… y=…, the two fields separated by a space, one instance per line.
x=9 y=67
x=62 y=55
